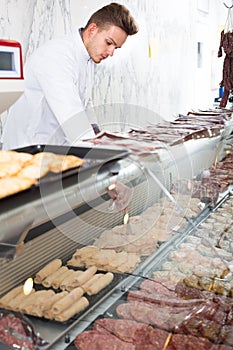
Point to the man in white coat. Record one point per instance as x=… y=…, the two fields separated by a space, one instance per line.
x=56 y=106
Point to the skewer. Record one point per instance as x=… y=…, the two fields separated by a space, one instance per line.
x=167 y=341
x=211 y=284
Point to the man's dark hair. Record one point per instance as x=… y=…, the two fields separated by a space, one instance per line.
x=114 y=14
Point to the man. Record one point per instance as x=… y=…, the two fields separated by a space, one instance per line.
x=56 y=106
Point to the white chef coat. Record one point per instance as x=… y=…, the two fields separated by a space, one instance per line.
x=54 y=106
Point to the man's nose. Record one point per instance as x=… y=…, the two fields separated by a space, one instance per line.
x=111 y=51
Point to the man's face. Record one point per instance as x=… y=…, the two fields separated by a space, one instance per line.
x=103 y=43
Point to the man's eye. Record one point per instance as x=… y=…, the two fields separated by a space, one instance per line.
x=109 y=43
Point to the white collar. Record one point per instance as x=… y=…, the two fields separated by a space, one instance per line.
x=84 y=52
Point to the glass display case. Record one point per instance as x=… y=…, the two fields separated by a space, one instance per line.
x=142 y=234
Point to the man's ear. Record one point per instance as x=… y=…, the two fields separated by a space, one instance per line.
x=91 y=29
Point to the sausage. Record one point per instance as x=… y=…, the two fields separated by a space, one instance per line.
x=67 y=301
x=47 y=282
x=11 y=295
x=47 y=270
x=84 y=277
x=76 y=307
x=86 y=285
x=101 y=283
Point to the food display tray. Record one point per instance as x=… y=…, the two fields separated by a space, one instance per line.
x=96 y=160
x=93 y=300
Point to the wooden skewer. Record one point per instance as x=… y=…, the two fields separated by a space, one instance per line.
x=167 y=341
x=211 y=284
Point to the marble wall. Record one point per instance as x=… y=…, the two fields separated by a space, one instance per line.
x=155 y=74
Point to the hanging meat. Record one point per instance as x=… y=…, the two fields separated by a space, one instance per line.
x=226 y=45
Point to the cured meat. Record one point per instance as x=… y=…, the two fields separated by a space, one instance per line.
x=163 y=287
x=133 y=332
x=95 y=340
x=12 y=333
x=209 y=321
x=167 y=318
x=141 y=312
x=126 y=330
x=207 y=315
x=16 y=331
x=139 y=337
x=123 y=311
x=159 y=299
x=153 y=137
x=188 y=342
x=152 y=337
x=187 y=292
x=226 y=42
x=163 y=317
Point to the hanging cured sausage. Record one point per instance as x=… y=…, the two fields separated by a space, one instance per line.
x=226 y=45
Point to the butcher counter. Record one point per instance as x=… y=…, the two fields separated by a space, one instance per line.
x=62 y=214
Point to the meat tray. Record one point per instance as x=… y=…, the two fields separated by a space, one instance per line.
x=93 y=300
x=96 y=159
x=188 y=322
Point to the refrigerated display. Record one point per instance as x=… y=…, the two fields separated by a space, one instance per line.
x=69 y=222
